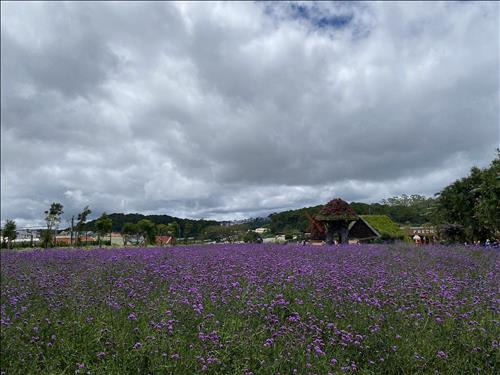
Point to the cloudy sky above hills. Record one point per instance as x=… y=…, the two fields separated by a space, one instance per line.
x=232 y=110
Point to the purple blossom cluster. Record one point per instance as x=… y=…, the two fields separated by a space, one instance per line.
x=250 y=309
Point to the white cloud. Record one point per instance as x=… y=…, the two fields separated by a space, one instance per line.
x=239 y=109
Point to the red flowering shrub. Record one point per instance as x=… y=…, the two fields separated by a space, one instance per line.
x=337 y=209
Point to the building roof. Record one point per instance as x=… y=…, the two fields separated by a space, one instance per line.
x=384 y=225
x=261 y=230
x=362 y=230
x=164 y=239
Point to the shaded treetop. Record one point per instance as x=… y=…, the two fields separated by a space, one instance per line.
x=336 y=210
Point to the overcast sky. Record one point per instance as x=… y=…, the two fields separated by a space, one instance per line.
x=233 y=110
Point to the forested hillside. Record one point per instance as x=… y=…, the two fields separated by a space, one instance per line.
x=187 y=227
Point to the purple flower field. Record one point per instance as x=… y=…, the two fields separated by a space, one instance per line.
x=243 y=309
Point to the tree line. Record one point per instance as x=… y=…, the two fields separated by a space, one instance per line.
x=134 y=228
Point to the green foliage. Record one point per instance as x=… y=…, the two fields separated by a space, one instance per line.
x=452 y=233
x=405 y=201
x=130 y=233
x=220 y=233
x=404 y=209
x=173 y=229
x=143 y=232
x=252 y=237
x=52 y=218
x=129 y=228
x=217 y=233
x=257 y=222
x=53 y=214
x=46 y=237
x=82 y=217
x=387 y=228
x=9 y=233
x=177 y=225
x=187 y=230
x=147 y=230
x=102 y=226
x=473 y=202
x=81 y=220
x=487 y=194
x=285 y=221
x=162 y=229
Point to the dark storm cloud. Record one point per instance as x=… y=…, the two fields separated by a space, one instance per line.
x=225 y=110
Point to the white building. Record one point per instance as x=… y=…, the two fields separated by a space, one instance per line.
x=261 y=230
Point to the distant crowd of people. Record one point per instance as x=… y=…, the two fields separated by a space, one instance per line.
x=488 y=243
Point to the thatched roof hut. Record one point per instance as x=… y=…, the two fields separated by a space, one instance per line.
x=337 y=215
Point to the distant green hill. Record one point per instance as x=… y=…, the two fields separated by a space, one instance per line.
x=387 y=228
x=285 y=221
x=187 y=227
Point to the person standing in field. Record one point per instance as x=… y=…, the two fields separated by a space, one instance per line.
x=417 y=239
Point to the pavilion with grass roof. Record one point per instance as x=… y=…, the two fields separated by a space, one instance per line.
x=337 y=215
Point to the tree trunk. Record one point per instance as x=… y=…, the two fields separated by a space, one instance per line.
x=329 y=236
x=343 y=236
x=72 y=223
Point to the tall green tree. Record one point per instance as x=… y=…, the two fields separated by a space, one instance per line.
x=216 y=233
x=473 y=202
x=9 y=232
x=405 y=209
x=81 y=220
x=187 y=231
x=219 y=233
x=103 y=225
x=173 y=229
x=53 y=218
x=162 y=229
x=487 y=194
x=147 y=230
